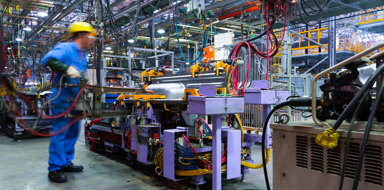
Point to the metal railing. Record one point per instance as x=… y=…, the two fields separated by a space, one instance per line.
x=370 y=16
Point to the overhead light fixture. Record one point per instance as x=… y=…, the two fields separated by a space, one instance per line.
x=156 y=11
x=19 y=39
x=42 y=14
x=131 y=41
x=108 y=48
x=161 y=31
x=27 y=28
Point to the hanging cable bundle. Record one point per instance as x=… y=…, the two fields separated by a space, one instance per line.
x=275 y=10
x=318 y=10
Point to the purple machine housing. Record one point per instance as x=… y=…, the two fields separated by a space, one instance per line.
x=259 y=94
x=217 y=106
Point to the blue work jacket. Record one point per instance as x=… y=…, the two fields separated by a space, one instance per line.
x=72 y=55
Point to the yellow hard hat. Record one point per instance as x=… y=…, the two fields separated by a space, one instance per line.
x=80 y=27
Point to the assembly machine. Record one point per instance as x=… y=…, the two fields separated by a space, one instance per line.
x=184 y=124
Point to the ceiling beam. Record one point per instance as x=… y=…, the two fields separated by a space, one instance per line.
x=57 y=17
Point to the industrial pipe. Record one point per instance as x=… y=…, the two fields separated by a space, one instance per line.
x=230 y=15
x=26 y=17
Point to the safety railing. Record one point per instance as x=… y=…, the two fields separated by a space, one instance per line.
x=370 y=15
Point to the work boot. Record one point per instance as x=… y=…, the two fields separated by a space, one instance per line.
x=73 y=168
x=57 y=176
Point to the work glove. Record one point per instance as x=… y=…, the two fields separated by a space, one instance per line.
x=72 y=72
x=61 y=67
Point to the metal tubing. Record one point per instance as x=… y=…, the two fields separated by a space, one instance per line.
x=317 y=64
x=216 y=152
x=230 y=15
x=27 y=17
x=341 y=64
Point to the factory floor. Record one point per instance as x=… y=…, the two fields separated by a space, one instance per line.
x=23 y=165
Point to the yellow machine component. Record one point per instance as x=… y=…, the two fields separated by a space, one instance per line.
x=154 y=73
x=144 y=73
x=221 y=90
x=196 y=68
x=147 y=104
x=2 y=91
x=136 y=98
x=223 y=65
x=145 y=86
x=192 y=92
x=328 y=139
x=150 y=74
x=166 y=109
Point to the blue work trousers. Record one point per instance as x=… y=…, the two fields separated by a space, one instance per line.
x=62 y=146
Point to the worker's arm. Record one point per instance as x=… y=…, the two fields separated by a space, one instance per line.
x=56 y=58
x=61 y=67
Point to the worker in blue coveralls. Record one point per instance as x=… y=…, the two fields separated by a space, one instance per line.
x=67 y=59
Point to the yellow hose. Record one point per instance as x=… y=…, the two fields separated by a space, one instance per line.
x=229 y=76
x=244 y=163
x=197 y=172
x=258 y=166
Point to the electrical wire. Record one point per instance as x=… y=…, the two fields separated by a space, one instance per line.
x=358 y=111
x=366 y=135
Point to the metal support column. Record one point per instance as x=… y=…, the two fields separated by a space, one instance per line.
x=130 y=67
x=173 y=63
x=216 y=152
x=81 y=12
x=153 y=32
x=332 y=42
x=284 y=59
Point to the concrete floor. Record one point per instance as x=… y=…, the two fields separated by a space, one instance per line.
x=23 y=165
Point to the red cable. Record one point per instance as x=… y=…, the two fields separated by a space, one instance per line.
x=198 y=126
x=55 y=116
x=266 y=76
x=25 y=125
x=249 y=62
x=201 y=119
x=194 y=150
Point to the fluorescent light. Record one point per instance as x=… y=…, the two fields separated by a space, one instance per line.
x=161 y=31
x=156 y=11
x=131 y=40
x=27 y=29
x=19 y=39
x=108 y=48
x=42 y=14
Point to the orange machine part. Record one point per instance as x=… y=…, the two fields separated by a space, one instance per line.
x=209 y=54
x=28 y=73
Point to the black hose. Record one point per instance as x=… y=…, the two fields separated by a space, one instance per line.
x=357 y=112
x=290 y=102
x=320 y=12
x=264 y=32
x=366 y=134
x=352 y=105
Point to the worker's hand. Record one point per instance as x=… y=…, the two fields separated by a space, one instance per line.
x=72 y=72
x=85 y=81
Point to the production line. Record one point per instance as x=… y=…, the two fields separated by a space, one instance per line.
x=204 y=94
